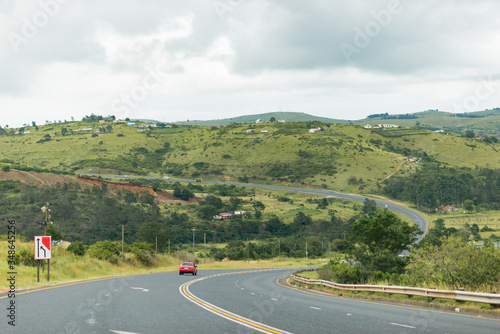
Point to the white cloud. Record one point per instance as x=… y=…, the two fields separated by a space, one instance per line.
x=222 y=58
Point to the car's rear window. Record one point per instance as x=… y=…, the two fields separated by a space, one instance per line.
x=187 y=264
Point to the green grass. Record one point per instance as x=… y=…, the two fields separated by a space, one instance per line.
x=66 y=267
x=441 y=304
x=487 y=124
x=324 y=159
x=459 y=219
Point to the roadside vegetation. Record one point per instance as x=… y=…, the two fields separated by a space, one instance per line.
x=165 y=221
x=102 y=260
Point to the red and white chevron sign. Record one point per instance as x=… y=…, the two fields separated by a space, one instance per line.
x=43 y=247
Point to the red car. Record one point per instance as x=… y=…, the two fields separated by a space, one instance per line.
x=188 y=267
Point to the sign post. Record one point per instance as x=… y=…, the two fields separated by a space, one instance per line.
x=43 y=251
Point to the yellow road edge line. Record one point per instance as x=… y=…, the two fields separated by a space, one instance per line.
x=237 y=318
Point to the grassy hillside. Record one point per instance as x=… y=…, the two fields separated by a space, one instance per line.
x=278 y=115
x=485 y=122
x=340 y=157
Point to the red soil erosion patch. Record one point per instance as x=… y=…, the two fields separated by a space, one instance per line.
x=163 y=197
x=37 y=179
x=118 y=186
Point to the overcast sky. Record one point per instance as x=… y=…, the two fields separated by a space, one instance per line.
x=174 y=60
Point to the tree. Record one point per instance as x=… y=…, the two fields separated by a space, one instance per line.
x=469 y=205
x=212 y=200
x=380 y=239
x=64 y=131
x=207 y=211
x=234 y=202
x=55 y=233
x=272 y=119
x=259 y=206
x=369 y=206
x=385 y=231
x=457 y=264
x=146 y=197
x=470 y=134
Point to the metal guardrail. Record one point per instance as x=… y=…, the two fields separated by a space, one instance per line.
x=487 y=298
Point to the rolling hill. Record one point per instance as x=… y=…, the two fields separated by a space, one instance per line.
x=339 y=157
x=485 y=122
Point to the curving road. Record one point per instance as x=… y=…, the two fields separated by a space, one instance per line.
x=219 y=301
x=416 y=217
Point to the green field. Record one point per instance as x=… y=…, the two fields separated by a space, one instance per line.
x=286 y=154
x=458 y=219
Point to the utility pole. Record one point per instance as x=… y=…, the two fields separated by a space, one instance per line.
x=306 y=250
x=193 y=229
x=156 y=244
x=279 y=248
x=45 y=209
x=248 y=251
x=123 y=235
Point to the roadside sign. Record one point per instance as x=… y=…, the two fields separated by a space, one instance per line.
x=43 y=247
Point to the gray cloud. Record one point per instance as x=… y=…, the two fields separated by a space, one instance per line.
x=254 y=53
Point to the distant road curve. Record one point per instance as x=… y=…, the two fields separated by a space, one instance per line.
x=415 y=216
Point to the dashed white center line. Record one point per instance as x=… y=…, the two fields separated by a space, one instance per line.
x=400 y=325
x=274 y=299
x=314 y=308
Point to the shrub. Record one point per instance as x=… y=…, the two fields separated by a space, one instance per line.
x=106 y=250
x=24 y=257
x=76 y=248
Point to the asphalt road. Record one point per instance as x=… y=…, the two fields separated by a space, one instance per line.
x=416 y=217
x=218 y=301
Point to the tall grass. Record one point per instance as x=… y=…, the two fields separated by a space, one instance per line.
x=65 y=266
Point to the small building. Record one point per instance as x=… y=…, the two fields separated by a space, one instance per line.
x=258 y=121
x=225 y=215
x=314 y=130
x=448 y=208
x=281 y=121
x=82 y=130
x=239 y=213
x=367 y=126
x=264 y=130
x=249 y=131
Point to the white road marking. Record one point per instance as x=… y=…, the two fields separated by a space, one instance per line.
x=143 y=290
x=314 y=308
x=274 y=299
x=400 y=325
x=253 y=294
x=121 y=332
